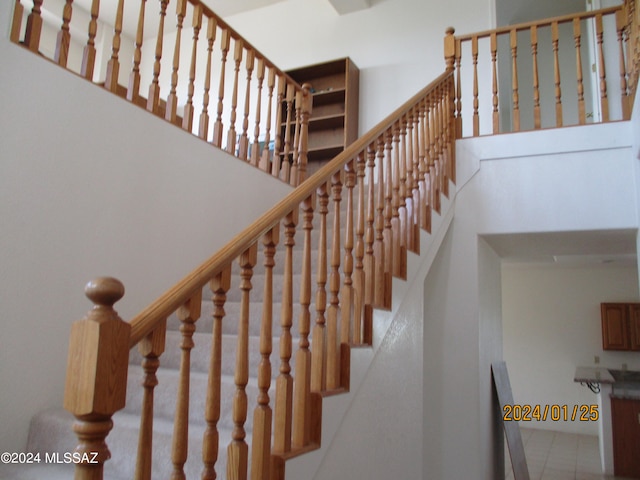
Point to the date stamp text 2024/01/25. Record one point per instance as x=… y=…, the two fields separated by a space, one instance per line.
x=555 y=413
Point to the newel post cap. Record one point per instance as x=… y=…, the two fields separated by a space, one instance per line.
x=98 y=354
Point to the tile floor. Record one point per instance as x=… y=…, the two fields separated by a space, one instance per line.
x=560 y=456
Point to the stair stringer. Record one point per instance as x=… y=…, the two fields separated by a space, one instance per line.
x=336 y=407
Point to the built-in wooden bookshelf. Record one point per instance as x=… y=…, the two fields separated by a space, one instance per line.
x=334 y=119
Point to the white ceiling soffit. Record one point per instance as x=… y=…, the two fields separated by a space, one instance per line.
x=225 y=8
x=348 y=6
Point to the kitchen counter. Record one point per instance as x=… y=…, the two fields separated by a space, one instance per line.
x=593 y=375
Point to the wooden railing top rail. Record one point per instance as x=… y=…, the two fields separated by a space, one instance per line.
x=540 y=23
x=145 y=322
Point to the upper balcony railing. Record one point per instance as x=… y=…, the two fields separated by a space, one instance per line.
x=568 y=70
x=135 y=49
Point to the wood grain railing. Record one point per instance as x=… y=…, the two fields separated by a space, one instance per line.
x=377 y=195
x=568 y=70
x=172 y=61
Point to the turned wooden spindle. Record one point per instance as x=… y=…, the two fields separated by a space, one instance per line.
x=303 y=147
x=265 y=157
x=153 y=99
x=358 y=275
x=515 y=95
x=537 y=120
x=219 y=286
x=556 y=72
x=582 y=116
x=151 y=348
x=133 y=90
x=604 y=100
x=89 y=54
x=278 y=142
x=406 y=186
x=301 y=406
x=16 y=23
x=458 y=89
x=494 y=82
x=255 y=147
x=346 y=293
x=172 y=100
x=378 y=246
x=318 y=352
x=621 y=26
x=244 y=136
x=63 y=41
x=224 y=49
x=284 y=382
x=113 y=66
x=333 y=348
x=188 y=314
x=422 y=128
x=369 y=260
x=262 y=415
x=238 y=450
x=34 y=27
x=451 y=128
x=474 y=57
x=399 y=210
x=388 y=204
x=295 y=146
x=237 y=58
x=412 y=230
x=196 y=23
x=203 y=130
x=96 y=381
x=285 y=166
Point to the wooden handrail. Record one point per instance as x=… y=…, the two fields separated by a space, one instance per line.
x=211 y=33
x=145 y=322
x=504 y=98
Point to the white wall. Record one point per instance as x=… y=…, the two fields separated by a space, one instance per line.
x=397 y=44
x=551 y=321
x=91 y=185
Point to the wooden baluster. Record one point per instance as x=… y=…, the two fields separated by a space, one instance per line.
x=407 y=183
x=474 y=56
x=113 y=65
x=172 y=99
x=238 y=450
x=620 y=28
x=295 y=146
x=513 y=36
x=34 y=27
x=64 y=37
x=203 y=131
x=153 y=100
x=319 y=350
x=151 y=348
x=265 y=157
x=188 y=314
x=432 y=159
x=347 y=292
x=378 y=246
x=444 y=142
x=440 y=160
x=494 y=76
x=358 y=276
x=537 y=122
x=333 y=358
x=398 y=232
x=219 y=286
x=89 y=54
x=218 y=126
x=415 y=165
x=303 y=146
x=187 y=116
x=277 y=146
x=255 y=147
x=604 y=101
x=231 y=134
x=582 y=119
x=262 y=416
x=302 y=405
x=424 y=155
x=284 y=382
x=389 y=241
x=369 y=260
x=451 y=128
x=96 y=383
x=16 y=23
x=412 y=229
x=556 y=73
x=458 y=90
x=244 y=137
x=133 y=91
x=285 y=167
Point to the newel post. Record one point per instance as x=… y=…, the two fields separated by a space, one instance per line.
x=450 y=48
x=97 y=375
x=303 y=148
